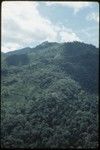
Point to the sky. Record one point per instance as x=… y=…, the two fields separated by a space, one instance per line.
x=29 y=23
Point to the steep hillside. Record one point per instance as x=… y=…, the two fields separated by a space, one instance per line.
x=79 y=60
x=50 y=96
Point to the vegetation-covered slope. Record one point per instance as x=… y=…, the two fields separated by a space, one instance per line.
x=49 y=96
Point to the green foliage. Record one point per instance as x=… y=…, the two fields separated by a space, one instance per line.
x=46 y=102
x=15 y=60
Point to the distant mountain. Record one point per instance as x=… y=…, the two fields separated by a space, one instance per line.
x=20 y=51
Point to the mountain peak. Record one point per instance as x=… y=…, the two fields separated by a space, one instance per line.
x=45 y=42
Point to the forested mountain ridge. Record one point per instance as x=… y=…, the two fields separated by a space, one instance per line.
x=77 y=59
x=50 y=95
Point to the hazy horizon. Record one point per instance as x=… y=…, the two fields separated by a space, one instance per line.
x=48 y=42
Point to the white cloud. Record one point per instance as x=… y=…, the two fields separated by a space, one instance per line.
x=93 y=17
x=90 y=35
x=69 y=37
x=23 y=25
x=75 y=5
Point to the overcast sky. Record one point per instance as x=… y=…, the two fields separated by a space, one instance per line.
x=26 y=24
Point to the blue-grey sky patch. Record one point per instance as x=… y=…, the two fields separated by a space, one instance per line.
x=30 y=23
